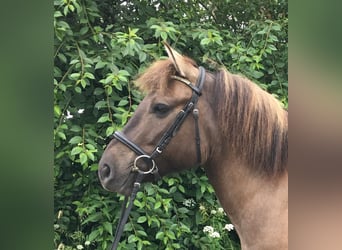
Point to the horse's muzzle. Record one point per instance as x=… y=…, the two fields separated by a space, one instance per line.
x=104 y=171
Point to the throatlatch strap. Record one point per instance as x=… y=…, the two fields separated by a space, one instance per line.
x=197 y=136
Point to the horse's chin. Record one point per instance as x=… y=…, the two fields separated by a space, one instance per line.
x=123 y=188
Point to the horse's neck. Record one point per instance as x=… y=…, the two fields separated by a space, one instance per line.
x=257 y=206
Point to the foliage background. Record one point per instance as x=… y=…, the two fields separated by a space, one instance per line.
x=99 y=47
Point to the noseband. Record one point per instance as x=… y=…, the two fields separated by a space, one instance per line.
x=163 y=142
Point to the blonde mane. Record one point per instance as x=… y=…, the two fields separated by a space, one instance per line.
x=253 y=121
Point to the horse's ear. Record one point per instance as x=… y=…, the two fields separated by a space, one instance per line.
x=184 y=66
x=175 y=57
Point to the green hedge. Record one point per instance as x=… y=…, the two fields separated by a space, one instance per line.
x=100 y=46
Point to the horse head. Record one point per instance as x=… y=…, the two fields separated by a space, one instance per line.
x=170 y=89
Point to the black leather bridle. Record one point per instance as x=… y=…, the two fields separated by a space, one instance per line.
x=191 y=106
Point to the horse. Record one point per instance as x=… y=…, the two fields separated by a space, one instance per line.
x=239 y=134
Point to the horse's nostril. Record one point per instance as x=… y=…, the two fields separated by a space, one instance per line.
x=104 y=171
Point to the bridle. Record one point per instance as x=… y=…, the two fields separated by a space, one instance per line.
x=191 y=105
x=163 y=142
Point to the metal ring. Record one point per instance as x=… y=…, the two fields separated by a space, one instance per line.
x=158 y=150
x=135 y=167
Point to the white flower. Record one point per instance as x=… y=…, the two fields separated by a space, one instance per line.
x=60 y=246
x=208 y=229
x=69 y=116
x=214 y=235
x=220 y=210
x=79 y=247
x=87 y=243
x=211 y=232
x=189 y=202
x=229 y=227
x=213 y=211
x=201 y=207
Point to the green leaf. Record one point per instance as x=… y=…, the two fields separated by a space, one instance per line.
x=103 y=118
x=205 y=41
x=171 y=181
x=78 y=182
x=155 y=26
x=181 y=188
x=90 y=155
x=71 y=7
x=109 y=131
x=261 y=32
x=74 y=61
x=90 y=146
x=123 y=73
x=276 y=27
x=132 y=238
x=183 y=210
x=94 y=167
x=142 y=233
x=118 y=86
x=78 y=89
x=160 y=235
x=89 y=75
x=163 y=35
x=100 y=65
x=75 y=140
x=108 y=227
x=75 y=128
x=138 y=204
x=83 y=158
x=76 y=150
x=109 y=90
x=142 y=219
x=57 y=110
x=101 y=104
x=75 y=76
x=98 y=91
x=108 y=79
x=61 y=135
x=273 y=38
x=171 y=235
x=142 y=56
x=62 y=57
x=57 y=14
x=272 y=47
x=93 y=235
x=157 y=205
x=94 y=217
x=84 y=30
x=84 y=82
x=123 y=102
x=257 y=74
x=66 y=10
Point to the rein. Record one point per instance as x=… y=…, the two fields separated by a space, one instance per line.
x=163 y=142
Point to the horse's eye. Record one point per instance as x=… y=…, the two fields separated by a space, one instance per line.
x=160 y=109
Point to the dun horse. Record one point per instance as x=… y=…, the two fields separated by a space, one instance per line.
x=235 y=130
